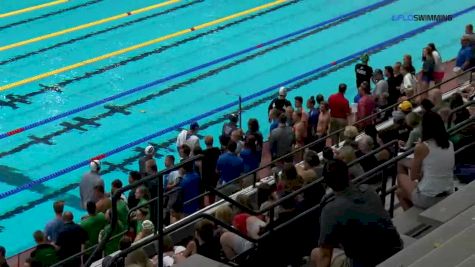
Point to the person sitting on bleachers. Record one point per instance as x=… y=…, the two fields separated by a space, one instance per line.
x=231 y=243
x=356 y=220
x=148 y=229
x=205 y=242
x=347 y=155
x=113 y=244
x=365 y=146
x=431 y=176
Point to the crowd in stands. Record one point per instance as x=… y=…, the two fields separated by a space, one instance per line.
x=354 y=220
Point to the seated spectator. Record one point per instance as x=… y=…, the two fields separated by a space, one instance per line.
x=190 y=188
x=45 y=254
x=140 y=216
x=413 y=120
x=231 y=243
x=204 y=243
x=355 y=220
x=250 y=156
x=265 y=198
x=148 y=229
x=365 y=146
x=71 y=240
x=131 y=200
x=113 y=244
x=347 y=155
x=176 y=212
x=405 y=107
x=281 y=139
x=431 y=176
x=461 y=115
x=349 y=134
x=138 y=258
x=372 y=132
x=93 y=223
x=103 y=203
x=3 y=260
x=290 y=180
x=311 y=169
x=53 y=227
x=143 y=196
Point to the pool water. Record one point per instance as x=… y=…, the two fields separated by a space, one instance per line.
x=54 y=146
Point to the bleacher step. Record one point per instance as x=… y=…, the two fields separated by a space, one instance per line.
x=408 y=221
x=407 y=240
x=432 y=240
x=197 y=260
x=452 y=252
x=450 y=207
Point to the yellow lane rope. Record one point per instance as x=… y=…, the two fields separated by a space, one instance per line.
x=87 y=25
x=32 y=8
x=138 y=46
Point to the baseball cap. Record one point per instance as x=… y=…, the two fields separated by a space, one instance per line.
x=149 y=150
x=95 y=165
x=405 y=106
x=364 y=57
x=282 y=91
x=194 y=126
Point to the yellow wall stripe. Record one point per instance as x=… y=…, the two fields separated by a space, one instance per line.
x=137 y=46
x=28 y=9
x=87 y=25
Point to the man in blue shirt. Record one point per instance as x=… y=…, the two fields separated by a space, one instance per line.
x=190 y=188
x=53 y=227
x=465 y=54
x=229 y=166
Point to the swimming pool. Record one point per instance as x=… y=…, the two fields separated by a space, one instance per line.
x=51 y=147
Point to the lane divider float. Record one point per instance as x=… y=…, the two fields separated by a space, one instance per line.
x=138 y=46
x=32 y=8
x=190 y=70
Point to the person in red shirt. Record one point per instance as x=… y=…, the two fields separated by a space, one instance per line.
x=366 y=105
x=339 y=112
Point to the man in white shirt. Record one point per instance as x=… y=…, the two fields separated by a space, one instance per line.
x=188 y=137
x=381 y=91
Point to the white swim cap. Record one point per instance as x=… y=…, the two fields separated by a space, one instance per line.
x=282 y=91
x=95 y=165
x=149 y=150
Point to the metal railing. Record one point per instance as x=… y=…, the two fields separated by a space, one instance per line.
x=272 y=227
x=454 y=111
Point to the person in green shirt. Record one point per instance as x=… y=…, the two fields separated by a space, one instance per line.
x=45 y=254
x=113 y=243
x=122 y=209
x=93 y=223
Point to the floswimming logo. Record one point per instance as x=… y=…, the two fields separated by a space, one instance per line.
x=420 y=17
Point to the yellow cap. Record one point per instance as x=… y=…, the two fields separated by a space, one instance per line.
x=405 y=106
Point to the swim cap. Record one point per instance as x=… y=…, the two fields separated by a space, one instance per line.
x=149 y=150
x=282 y=91
x=95 y=165
x=234 y=117
x=364 y=57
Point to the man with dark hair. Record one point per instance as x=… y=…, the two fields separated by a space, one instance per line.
x=229 y=165
x=355 y=220
x=339 y=112
x=53 y=227
x=299 y=107
x=184 y=151
x=210 y=160
x=363 y=71
x=131 y=200
x=122 y=209
x=44 y=253
x=281 y=138
x=3 y=260
x=71 y=240
x=93 y=223
x=170 y=180
x=190 y=188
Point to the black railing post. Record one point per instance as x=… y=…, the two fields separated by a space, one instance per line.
x=254 y=179
x=160 y=221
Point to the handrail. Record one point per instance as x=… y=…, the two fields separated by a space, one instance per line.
x=116 y=196
x=455 y=110
x=465 y=147
x=373 y=152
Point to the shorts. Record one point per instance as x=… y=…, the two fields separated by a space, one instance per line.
x=422 y=201
x=438 y=76
x=427 y=78
x=335 y=125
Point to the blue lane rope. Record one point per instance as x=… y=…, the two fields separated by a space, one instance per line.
x=229 y=105
x=190 y=70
